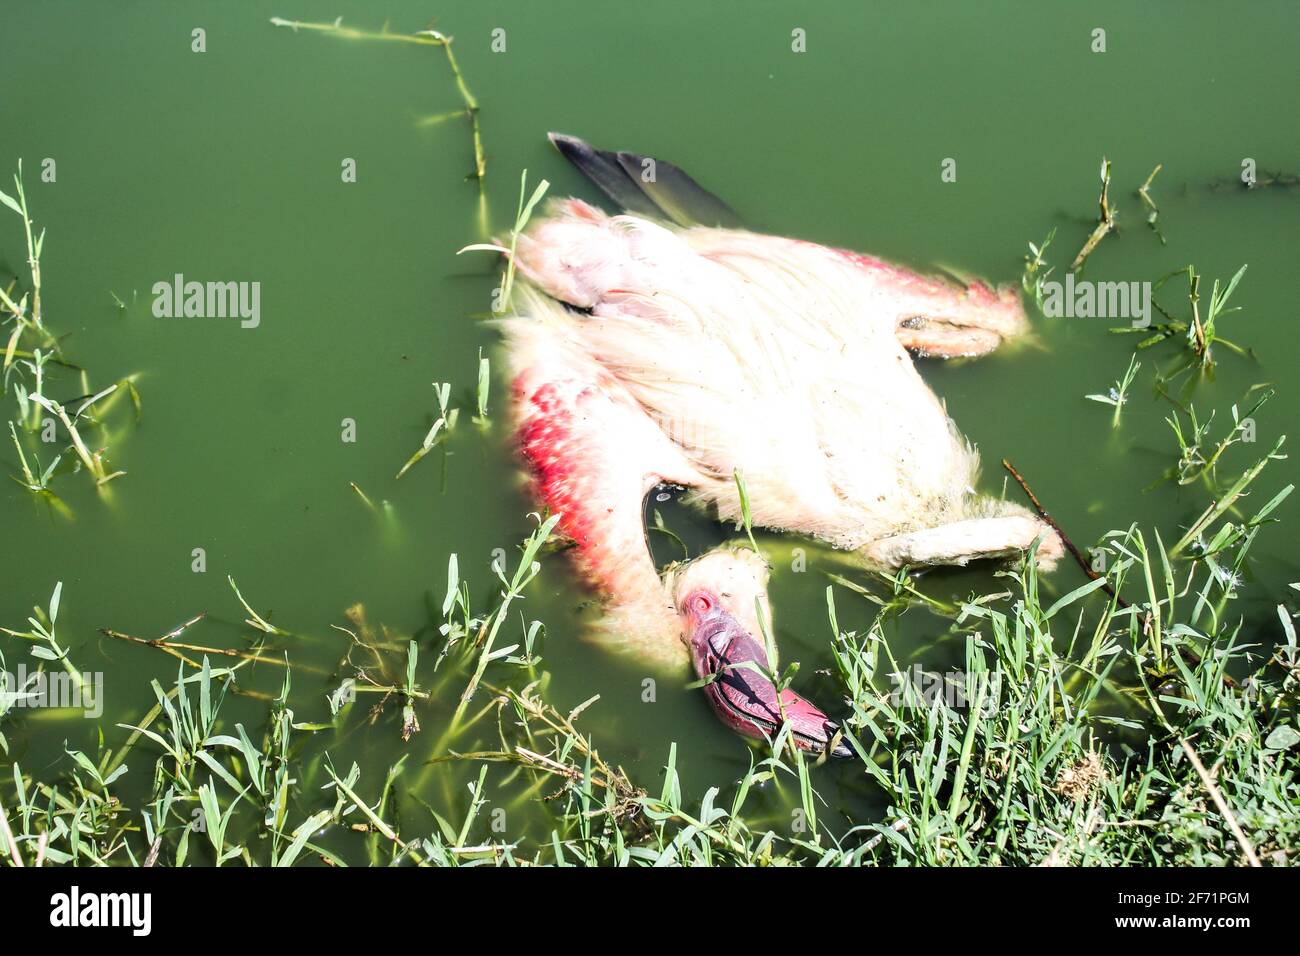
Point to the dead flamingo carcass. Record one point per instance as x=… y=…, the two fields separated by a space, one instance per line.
x=649 y=349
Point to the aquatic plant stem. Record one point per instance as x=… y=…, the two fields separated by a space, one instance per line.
x=1219 y=507
x=471 y=109
x=1145 y=194
x=1105 y=222
x=407 y=849
x=426 y=37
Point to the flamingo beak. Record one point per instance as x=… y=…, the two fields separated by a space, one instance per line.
x=734 y=665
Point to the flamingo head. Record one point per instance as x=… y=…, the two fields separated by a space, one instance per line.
x=719 y=598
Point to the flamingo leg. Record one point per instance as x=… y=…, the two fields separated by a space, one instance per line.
x=961 y=542
x=944 y=322
x=933 y=339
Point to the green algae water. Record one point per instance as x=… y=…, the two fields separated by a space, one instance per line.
x=950 y=135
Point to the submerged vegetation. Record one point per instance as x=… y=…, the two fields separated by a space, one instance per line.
x=31 y=354
x=1199 y=329
x=1117 y=395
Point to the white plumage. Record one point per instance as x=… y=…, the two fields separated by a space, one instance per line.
x=686 y=355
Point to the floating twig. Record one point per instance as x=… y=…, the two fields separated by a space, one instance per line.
x=1051 y=522
x=174 y=648
x=1104 y=224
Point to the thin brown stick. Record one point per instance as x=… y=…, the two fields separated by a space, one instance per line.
x=1217 y=796
x=1144 y=619
x=165 y=648
x=1065 y=538
x=174 y=648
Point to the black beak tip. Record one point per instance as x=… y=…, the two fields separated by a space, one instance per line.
x=836 y=744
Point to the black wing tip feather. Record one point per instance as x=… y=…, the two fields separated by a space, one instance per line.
x=605 y=171
x=571 y=147
x=561 y=140
x=673 y=195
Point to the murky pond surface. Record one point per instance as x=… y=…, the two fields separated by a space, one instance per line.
x=226 y=165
